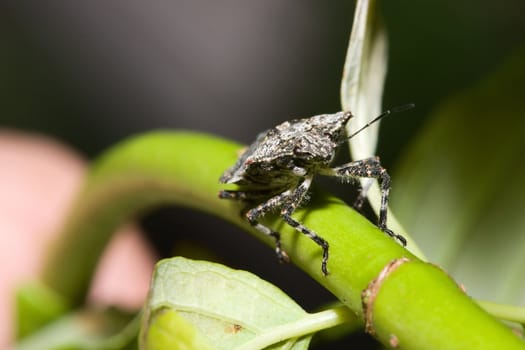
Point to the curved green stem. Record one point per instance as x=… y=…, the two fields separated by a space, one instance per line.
x=419 y=308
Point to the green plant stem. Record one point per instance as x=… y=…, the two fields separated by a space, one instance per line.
x=307 y=325
x=374 y=196
x=419 y=308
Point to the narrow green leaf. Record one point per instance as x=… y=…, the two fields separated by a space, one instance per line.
x=226 y=307
x=362 y=92
x=460 y=190
x=364 y=76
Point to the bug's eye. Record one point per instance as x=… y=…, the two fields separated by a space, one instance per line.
x=264 y=166
x=297 y=150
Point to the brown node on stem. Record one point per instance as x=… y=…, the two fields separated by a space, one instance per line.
x=369 y=294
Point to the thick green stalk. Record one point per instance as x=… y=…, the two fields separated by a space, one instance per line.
x=415 y=305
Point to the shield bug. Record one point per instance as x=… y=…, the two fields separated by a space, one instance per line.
x=277 y=170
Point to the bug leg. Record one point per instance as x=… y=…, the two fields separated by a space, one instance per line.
x=244 y=195
x=369 y=168
x=234 y=195
x=253 y=214
x=289 y=207
x=363 y=192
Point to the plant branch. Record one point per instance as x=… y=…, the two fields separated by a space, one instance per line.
x=418 y=304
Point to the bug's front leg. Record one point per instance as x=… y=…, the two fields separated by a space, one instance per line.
x=369 y=168
x=254 y=214
x=292 y=202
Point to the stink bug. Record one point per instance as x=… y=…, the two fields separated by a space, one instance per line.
x=277 y=170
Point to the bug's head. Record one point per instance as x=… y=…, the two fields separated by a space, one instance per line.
x=332 y=125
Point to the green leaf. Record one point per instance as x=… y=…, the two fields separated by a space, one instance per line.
x=460 y=191
x=226 y=307
x=88 y=329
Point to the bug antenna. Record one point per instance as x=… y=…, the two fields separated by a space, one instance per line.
x=381 y=116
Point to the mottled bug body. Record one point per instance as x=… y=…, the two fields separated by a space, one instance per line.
x=278 y=168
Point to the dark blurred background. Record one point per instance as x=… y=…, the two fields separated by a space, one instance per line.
x=92 y=73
